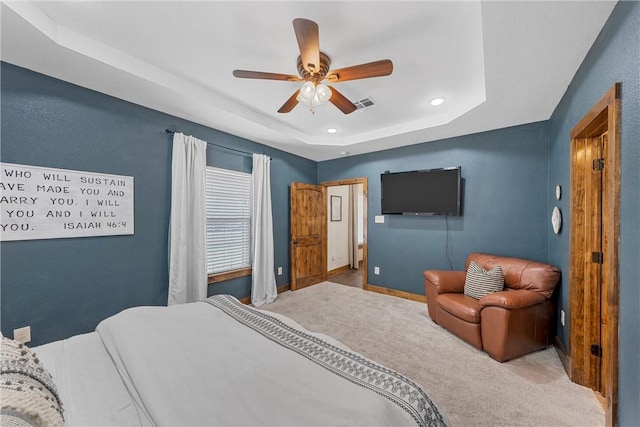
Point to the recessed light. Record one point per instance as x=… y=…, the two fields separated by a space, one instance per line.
x=436 y=101
x=332 y=130
x=344 y=153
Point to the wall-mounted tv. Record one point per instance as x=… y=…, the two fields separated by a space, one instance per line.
x=423 y=192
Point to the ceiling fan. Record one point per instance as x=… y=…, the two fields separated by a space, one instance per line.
x=313 y=67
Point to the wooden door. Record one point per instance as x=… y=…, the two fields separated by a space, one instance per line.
x=308 y=242
x=588 y=163
x=594 y=262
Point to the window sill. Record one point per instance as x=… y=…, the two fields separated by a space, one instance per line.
x=228 y=275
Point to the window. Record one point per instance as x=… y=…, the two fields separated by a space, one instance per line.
x=228 y=211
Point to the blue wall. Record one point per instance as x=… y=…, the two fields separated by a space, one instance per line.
x=508 y=198
x=63 y=287
x=614 y=57
x=504 y=203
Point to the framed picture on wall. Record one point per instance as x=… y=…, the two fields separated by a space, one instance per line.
x=336 y=208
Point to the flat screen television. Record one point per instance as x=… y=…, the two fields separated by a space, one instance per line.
x=423 y=192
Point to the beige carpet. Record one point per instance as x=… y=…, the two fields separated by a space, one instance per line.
x=471 y=388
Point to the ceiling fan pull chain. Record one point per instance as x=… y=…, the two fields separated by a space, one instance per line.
x=311 y=105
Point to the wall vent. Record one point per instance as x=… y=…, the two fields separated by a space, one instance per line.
x=364 y=103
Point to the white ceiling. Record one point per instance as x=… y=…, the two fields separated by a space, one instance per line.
x=497 y=64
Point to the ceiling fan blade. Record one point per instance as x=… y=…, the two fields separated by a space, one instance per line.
x=244 y=74
x=307 y=34
x=291 y=102
x=363 y=71
x=341 y=101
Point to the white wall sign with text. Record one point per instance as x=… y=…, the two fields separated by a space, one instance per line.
x=46 y=203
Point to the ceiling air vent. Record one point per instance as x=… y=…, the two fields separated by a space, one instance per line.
x=364 y=103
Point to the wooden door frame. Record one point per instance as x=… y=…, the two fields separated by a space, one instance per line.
x=603 y=117
x=364 y=181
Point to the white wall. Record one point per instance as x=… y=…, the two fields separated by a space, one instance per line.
x=338 y=231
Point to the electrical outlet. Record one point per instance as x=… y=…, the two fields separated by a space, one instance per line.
x=22 y=335
x=562 y=317
x=376 y=270
x=279 y=271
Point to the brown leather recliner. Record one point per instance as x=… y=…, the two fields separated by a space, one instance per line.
x=505 y=324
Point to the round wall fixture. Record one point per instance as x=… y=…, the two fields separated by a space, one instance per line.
x=556 y=220
x=558 y=192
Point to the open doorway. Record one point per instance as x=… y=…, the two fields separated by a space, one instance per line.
x=346 y=232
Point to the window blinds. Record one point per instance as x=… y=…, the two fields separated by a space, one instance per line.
x=228 y=206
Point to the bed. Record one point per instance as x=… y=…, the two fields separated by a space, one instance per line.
x=220 y=362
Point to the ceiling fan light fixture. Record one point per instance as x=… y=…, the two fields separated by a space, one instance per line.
x=436 y=102
x=323 y=92
x=313 y=95
x=307 y=92
x=332 y=130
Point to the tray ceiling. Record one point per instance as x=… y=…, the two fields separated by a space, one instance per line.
x=496 y=64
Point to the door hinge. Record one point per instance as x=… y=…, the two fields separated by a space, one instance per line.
x=597 y=257
x=596 y=350
x=598 y=164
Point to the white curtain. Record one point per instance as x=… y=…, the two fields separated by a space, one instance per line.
x=263 y=282
x=354 y=256
x=187 y=226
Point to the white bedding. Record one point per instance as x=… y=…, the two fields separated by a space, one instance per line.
x=90 y=388
x=193 y=364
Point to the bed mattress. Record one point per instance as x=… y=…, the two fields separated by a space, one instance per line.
x=219 y=362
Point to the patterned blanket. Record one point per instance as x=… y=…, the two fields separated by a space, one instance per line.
x=29 y=396
x=361 y=371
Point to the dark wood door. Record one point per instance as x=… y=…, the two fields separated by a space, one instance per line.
x=308 y=235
